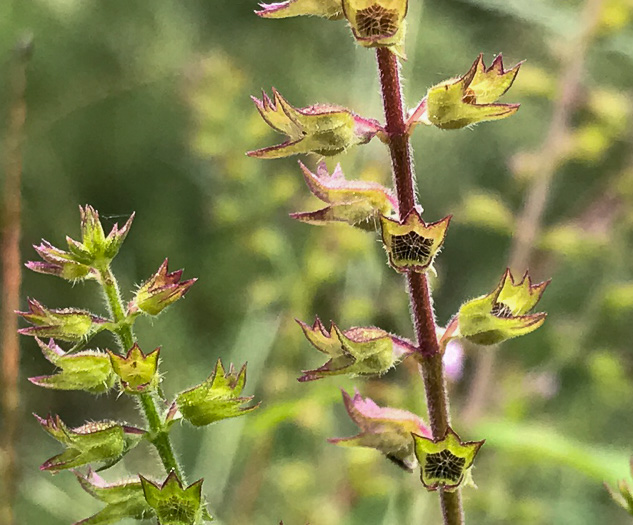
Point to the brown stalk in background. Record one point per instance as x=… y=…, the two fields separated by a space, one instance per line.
x=12 y=277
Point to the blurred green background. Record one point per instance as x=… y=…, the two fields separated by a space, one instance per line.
x=144 y=106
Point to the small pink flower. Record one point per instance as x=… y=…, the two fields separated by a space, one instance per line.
x=384 y=428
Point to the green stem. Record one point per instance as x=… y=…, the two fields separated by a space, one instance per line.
x=430 y=356
x=126 y=339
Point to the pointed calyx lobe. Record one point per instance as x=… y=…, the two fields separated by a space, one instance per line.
x=502 y=314
x=98 y=441
x=378 y=23
x=357 y=351
x=323 y=129
x=95 y=250
x=386 y=429
x=68 y=324
x=216 y=398
x=444 y=462
x=123 y=499
x=469 y=99
x=173 y=504
x=89 y=370
x=137 y=372
x=331 y=9
x=354 y=202
x=159 y=291
x=412 y=244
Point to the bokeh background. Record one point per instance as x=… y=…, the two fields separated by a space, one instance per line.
x=144 y=106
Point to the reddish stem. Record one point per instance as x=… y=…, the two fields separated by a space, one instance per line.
x=430 y=356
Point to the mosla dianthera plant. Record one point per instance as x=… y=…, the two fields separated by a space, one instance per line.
x=443 y=457
x=411 y=242
x=132 y=371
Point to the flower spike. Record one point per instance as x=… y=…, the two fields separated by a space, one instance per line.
x=471 y=98
x=323 y=129
x=330 y=9
x=89 y=370
x=355 y=202
x=384 y=428
x=444 y=462
x=412 y=244
x=68 y=324
x=503 y=313
x=357 y=351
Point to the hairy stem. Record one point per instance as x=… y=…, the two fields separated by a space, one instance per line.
x=11 y=281
x=430 y=357
x=126 y=339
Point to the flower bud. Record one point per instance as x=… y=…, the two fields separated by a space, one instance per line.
x=216 y=398
x=357 y=351
x=356 y=202
x=161 y=290
x=469 y=99
x=323 y=129
x=503 y=313
x=96 y=249
x=89 y=370
x=60 y=263
x=331 y=9
x=383 y=428
x=68 y=324
x=100 y=441
x=123 y=499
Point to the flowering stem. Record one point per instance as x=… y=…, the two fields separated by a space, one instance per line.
x=126 y=339
x=430 y=356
